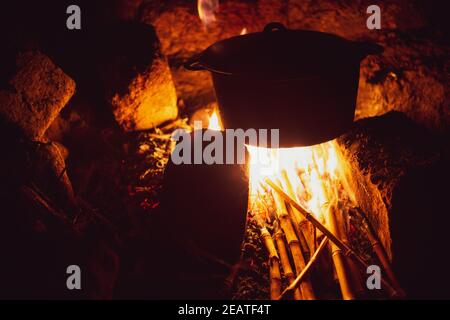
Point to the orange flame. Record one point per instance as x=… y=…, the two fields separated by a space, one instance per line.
x=207 y=11
x=244 y=31
x=315 y=176
x=214 y=122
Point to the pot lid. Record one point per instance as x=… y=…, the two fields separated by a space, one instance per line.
x=281 y=53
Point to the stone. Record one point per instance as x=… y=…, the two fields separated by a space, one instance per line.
x=401 y=172
x=34 y=95
x=202 y=221
x=137 y=78
x=407 y=77
x=348 y=18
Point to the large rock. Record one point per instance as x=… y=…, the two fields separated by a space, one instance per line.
x=401 y=174
x=202 y=221
x=137 y=78
x=407 y=77
x=34 y=94
x=347 y=18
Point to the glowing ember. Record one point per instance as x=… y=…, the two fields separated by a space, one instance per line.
x=214 y=122
x=244 y=31
x=207 y=11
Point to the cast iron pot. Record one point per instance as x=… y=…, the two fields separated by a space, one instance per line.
x=304 y=83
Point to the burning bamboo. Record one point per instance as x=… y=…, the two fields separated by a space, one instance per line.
x=346 y=249
x=275 y=279
x=294 y=244
x=311 y=261
x=274 y=260
x=268 y=242
x=299 y=221
x=355 y=278
x=297 y=217
x=379 y=251
x=301 y=237
x=339 y=259
x=284 y=259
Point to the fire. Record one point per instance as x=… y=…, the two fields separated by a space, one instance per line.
x=315 y=176
x=214 y=122
x=207 y=11
x=243 y=31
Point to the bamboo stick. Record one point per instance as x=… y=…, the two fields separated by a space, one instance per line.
x=287 y=185
x=354 y=273
x=356 y=280
x=379 y=251
x=300 y=235
x=346 y=249
x=294 y=244
x=308 y=229
x=275 y=278
x=339 y=259
x=305 y=271
x=284 y=259
x=274 y=263
x=299 y=221
x=274 y=260
x=268 y=242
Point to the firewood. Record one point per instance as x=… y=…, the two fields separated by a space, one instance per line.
x=379 y=251
x=342 y=246
x=300 y=233
x=274 y=263
x=293 y=242
x=339 y=259
x=356 y=279
x=35 y=196
x=275 y=279
x=284 y=259
x=354 y=273
x=308 y=266
x=274 y=260
x=287 y=185
x=268 y=242
x=298 y=220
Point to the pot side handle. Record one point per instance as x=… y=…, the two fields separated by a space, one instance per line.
x=194 y=64
x=365 y=48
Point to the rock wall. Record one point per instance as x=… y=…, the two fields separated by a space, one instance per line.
x=400 y=174
x=407 y=77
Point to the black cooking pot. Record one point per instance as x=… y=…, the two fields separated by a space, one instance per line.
x=304 y=83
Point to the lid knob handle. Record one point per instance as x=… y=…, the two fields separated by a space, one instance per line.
x=274 y=26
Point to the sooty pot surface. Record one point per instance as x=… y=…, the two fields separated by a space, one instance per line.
x=303 y=83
